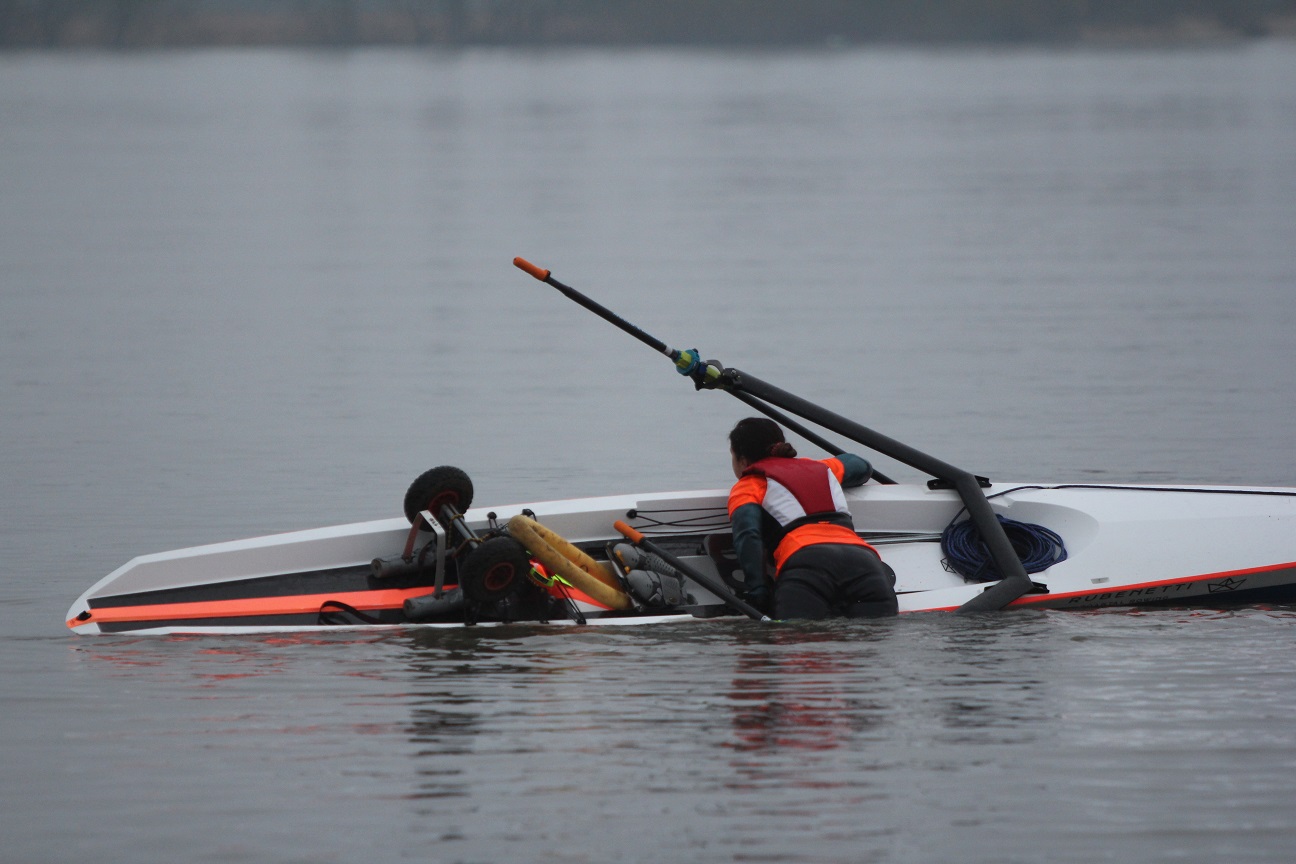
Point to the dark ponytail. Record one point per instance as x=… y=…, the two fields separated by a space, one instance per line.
x=783 y=449
x=756 y=438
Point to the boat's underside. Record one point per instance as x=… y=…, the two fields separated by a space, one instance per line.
x=1125 y=546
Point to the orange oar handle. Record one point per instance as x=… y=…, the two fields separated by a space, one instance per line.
x=525 y=265
x=627 y=532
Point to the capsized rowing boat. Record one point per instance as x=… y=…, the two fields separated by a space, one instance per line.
x=1125 y=545
x=957 y=542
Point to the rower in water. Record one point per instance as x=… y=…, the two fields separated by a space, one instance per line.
x=796 y=508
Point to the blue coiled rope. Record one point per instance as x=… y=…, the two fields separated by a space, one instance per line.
x=966 y=554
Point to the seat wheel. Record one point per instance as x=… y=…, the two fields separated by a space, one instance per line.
x=436 y=488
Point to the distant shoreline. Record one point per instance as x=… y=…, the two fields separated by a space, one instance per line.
x=143 y=24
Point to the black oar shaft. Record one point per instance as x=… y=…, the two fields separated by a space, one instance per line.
x=657 y=345
x=597 y=308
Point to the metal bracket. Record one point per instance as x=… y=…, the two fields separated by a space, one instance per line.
x=942 y=483
x=437 y=531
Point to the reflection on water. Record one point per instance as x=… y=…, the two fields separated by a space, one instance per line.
x=822 y=741
x=992 y=695
x=440 y=727
x=445 y=709
x=790 y=695
x=808 y=711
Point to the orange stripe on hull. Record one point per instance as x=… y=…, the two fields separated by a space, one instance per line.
x=1045 y=599
x=1037 y=599
x=296 y=604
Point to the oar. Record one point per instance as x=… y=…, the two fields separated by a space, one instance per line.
x=715 y=586
x=685 y=361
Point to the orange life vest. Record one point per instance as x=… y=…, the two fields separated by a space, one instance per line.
x=805 y=500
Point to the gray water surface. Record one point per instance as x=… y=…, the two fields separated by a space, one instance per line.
x=253 y=291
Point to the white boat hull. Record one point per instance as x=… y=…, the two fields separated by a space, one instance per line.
x=1126 y=546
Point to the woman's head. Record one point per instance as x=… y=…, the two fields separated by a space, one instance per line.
x=754 y=439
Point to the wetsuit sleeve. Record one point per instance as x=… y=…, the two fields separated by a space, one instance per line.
x=748 y=545
x=856 y=470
